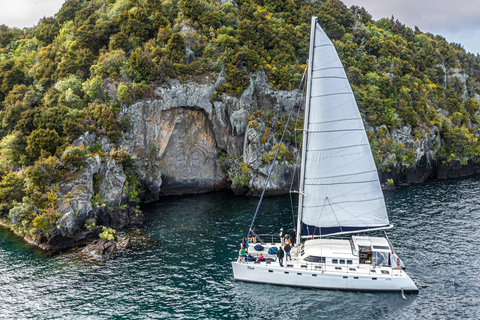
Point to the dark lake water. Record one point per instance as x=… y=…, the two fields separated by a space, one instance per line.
x=186 y=274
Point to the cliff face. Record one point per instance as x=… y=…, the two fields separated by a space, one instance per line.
x=186 y=143
x=181 y=137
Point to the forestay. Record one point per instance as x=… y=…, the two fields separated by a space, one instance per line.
x=341 y=191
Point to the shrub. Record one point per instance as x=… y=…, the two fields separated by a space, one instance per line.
x=45 y=172
x=42 y=139
x=74 y=157
x=107 y=233
x=12 y=188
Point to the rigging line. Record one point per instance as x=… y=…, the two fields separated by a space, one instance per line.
x=339 y=130
x=339 y=148
x=329 y=77
x=335 y=121
x=346 y=175
x=335 y=215
x=360 y=156
x=327 y=68
x=324 y=45
x=346 y=211
x=332 y=94
x=319 y=217
x=350 y=201
x=297 y=147
x=356 y=217
x=339 y=183
x=276 y=154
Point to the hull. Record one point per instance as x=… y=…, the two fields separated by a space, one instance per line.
x=323 y=278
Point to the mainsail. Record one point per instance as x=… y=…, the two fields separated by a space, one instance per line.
x=340 y=190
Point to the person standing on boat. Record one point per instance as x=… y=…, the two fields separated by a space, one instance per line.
x=287 y=240
x=243 y=253
x=282 y=236
x=245 y=243
x=280 y=255
x=287 y=249
x=253 y=233
x=293 y=236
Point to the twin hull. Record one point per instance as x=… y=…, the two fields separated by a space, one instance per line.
x=296 y=277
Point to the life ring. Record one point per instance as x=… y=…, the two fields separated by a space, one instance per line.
x=398 y=261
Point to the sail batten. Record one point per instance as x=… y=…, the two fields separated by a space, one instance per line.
x=340 y=188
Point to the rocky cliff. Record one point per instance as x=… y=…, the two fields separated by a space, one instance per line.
x=185 y=142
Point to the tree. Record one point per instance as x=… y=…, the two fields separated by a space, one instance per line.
x=39 y=140
x=11 y=188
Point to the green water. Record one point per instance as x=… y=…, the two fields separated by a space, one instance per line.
x=185 y=272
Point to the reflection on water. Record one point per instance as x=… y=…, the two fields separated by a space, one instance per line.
x=186 y=273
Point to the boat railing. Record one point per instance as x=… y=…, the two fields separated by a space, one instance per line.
x=265 y=239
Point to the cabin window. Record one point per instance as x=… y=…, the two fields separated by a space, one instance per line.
x=315 y=259
x=349 y=262
x=270 y=270
x=335 y=261
x=381 y=258
x=286 y=272
x=314 y=275
x=381 y=248
x=345 y=277
x=342 y=261
x=299 y=274
x=355 y=277
x=338 y=268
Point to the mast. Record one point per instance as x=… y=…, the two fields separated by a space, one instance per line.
x=305 y=131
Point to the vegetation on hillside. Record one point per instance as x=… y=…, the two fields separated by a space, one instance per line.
x=71 y=72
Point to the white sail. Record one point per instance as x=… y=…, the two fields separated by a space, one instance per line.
x=341 y=191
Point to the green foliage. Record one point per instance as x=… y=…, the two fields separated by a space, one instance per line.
x=283 y=155
x=74 y=157
x=43 y=141
x=44 y=173
x=107 y=233
x=12 y=150
x=101 y=119
x=12 y=188
x=44 y=223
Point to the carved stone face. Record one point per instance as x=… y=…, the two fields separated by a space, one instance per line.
x=189 y=158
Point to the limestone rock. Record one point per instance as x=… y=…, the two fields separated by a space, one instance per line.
x=99 y=248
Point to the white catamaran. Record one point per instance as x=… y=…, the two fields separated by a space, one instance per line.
x=339 y=193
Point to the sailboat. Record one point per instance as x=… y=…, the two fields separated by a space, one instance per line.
x=340 y=197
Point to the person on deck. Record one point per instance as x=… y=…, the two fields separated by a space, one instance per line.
x=253 y=233
x=245 y=243
x=287 y=240
x=287 y=249
x=293 y=236
x=280 y=255
x=282 y=236
x=243 y=253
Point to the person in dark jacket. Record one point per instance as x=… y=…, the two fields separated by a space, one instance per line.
x=280 y=255
x=293 y=236
x=287 y=249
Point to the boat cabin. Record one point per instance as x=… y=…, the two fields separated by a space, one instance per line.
x=338 y=252
x=372 y=250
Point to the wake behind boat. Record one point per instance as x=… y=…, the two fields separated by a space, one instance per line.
x=339 y=194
